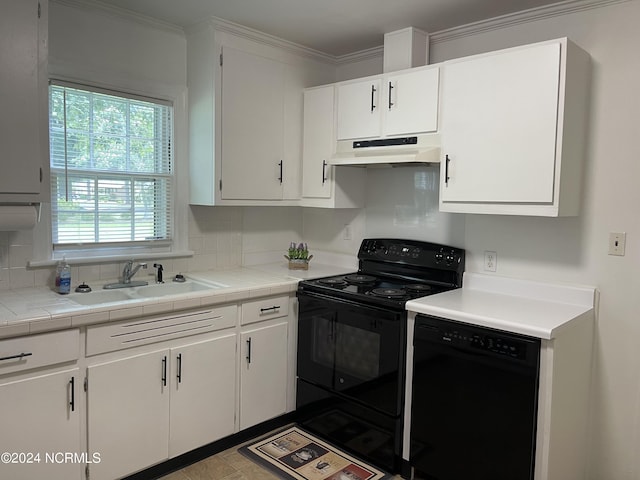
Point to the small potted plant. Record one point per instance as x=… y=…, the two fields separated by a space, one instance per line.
x=298 y=256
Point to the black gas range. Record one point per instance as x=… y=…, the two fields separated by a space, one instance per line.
x=393 y=271
x=352 y=343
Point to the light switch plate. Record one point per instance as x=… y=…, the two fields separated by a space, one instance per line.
x=617 y=243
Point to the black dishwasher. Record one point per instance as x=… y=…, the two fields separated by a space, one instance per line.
x=474 y=402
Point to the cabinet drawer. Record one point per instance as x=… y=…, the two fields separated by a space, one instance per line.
x=34 y=351
x=132 y=333
x=265 y=309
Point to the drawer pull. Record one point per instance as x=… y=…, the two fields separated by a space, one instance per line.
x=269 y=309
x=19 y=356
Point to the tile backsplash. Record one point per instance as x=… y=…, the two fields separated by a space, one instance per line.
x=215 y=236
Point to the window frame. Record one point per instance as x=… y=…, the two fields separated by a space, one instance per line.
x=44 y=254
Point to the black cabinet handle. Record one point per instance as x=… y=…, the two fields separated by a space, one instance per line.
x=269 y=309
x=390 y=102
x=179 y=375
x=446 y=170
x=373 y=90
x=280 y=177
x=249 y=350
x=164 y=371
x=72 y=403
x=19 y=356
x=324 y=171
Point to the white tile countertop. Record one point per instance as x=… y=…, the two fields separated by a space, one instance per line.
x=531 y=308
x=34 y=310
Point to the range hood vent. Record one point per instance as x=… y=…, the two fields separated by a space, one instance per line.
x=416 y=150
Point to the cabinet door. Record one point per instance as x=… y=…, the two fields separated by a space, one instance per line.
x=411 y=102
x=318 y=142
x=21 y=97
x=128 y=414
x=263 y=374
x=359 y=107
x=203 y=393
x=252 y=126
x=499 y=118
x=37 y=417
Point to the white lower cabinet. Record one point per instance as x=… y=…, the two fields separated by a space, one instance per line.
x=41 y=406
x=263 y=372
x=202 y=395
x=264 y=359
x=160 y=401
x=128 y=414
x=48 y=403
x=165 y=403
x=153 y=395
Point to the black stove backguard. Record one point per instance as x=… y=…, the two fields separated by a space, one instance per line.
x=412 y=260
x=352 y=343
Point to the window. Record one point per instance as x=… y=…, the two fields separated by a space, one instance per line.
x=111 y=168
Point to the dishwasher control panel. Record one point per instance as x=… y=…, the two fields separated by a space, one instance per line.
x=474 y=338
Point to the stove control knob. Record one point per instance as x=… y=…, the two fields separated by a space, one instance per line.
x=370 y=247
x=450 y=258
x=439 y=256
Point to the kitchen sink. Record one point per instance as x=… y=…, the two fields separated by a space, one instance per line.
x=98 y=297
x=162 y=289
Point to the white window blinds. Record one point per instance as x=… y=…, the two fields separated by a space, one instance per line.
x=111 y=167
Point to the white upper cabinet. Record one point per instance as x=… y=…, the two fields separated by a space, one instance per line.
x=252 y=126
x=359 y=111
x=395 y=104
x=324 y=185
x=513 y=130
x=245 y=116
x=318 y=142
x=412 y=101
x=23 y=96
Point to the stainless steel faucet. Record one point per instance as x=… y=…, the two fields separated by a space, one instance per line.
x=129 y=271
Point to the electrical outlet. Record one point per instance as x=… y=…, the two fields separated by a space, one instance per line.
x=617 y=241
x=490 y=261
x=346 y=233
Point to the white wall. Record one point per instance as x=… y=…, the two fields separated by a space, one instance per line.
x=575 y=249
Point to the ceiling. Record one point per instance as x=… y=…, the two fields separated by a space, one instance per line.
x=335 y=27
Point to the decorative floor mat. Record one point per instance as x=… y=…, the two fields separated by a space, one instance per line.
x=295 y=454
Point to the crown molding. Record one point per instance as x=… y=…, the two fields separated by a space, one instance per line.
x=555 y=10
x=96 y=6
x=248 y=33
x=525 y=16
x=360 y=55
x=497 y=23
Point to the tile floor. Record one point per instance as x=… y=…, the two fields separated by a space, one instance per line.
x=226 y=465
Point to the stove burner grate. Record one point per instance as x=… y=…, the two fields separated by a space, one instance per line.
x=389 y=292
x=360 y=279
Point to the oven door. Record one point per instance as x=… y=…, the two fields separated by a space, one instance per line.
x=352 y=349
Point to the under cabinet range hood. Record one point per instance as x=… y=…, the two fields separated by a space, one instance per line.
x=415 y=150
